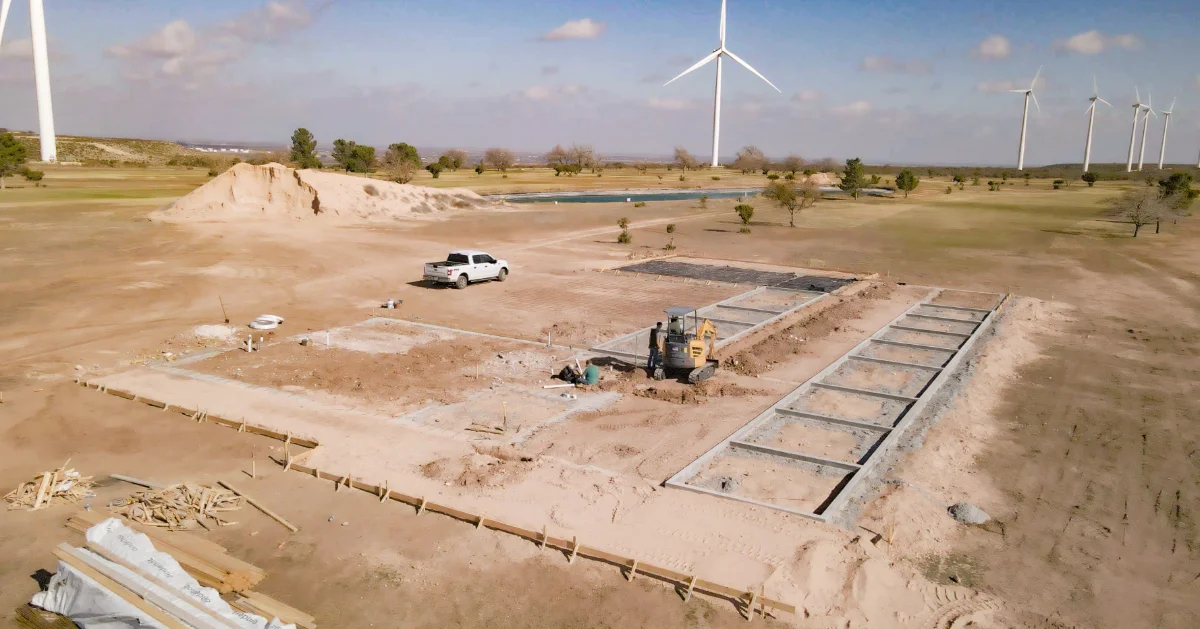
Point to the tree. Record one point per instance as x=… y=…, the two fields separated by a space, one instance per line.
x=744 y=212
x=852 y=177
x=402 y=152
x=435 y=169
x=1026 y=176
x=750 y=159
x=1139 y=207
x=401 y=171
x=304 y=149
x=624 y=237
x=960 y=180
x=12 y=156
x=34 y=176
x=1178 y=188
x=785 y=195
x=582 y=156
x=907 y=181
x=500 y=159
x=1058 y=183
x=685 y=160
x=1089 y=178
x=479 y=169
x=792 y=164
x=670 y=228
x=353 y=157
x=975 y=181
x=557 y=156
x=810 y=193
x=827 y=165
x=454 y=159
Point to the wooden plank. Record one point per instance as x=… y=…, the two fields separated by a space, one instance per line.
x=285 y=612
x=890 y=396
x=137 y=481
x=41 y=494
x=833 y=420
x=109 y=555
x=260 y=506
x=111 y=581
x=790 y=454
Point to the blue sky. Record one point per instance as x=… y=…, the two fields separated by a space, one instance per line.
x=890 y=81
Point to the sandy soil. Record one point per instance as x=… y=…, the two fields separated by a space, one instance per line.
x=1083 y=453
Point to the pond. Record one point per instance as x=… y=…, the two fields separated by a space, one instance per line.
x=634 y=196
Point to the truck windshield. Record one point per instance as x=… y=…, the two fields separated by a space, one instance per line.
x=458 y=258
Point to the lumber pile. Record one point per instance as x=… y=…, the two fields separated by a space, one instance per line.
x=207 y=562
x=34 y=618
x=62 y=486
x=263 y=605
x=180 y=506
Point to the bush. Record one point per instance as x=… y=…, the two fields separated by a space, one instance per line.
x=681 y=178
x=213 y=172
x=808 y=172
x=640 y=204
x=716 y=178
x=34 y=176
x=1058 y=183
x=744 y=230
x=949 y=189
x=1089 y=178
x=790 y=177
x=670 y=228
x=703 y=200
x=435 y=169
x=625 y=238
x=745 y=212
x=670 y=246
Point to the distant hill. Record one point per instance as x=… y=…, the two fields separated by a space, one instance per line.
x=111 y=151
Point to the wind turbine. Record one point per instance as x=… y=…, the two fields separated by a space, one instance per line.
x=1025 y=118
x=1162 y=151
x=41 y=75
x=1137 y=109
x=1145 y=129
x=1087 y=148
x=719 y=54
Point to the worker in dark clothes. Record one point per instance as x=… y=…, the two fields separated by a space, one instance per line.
x=590 y=374
x=655 y=347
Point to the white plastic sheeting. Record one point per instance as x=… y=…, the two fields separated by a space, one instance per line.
x=91 y=606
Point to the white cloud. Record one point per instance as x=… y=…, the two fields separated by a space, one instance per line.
x=857 y=108
x=1095 y=42
x=180 y=51
x=993 y=47
x=542 y=93
x=892 y=66
x=538 y=92
x=576 y=29
x=806 y=96
x=17 y=49
x=669 y=104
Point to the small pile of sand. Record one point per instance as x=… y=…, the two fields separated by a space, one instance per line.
x=274 y=191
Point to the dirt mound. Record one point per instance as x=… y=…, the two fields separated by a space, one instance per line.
x=695 y=394
x=274 y=191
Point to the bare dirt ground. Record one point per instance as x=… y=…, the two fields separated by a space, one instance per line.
x=1075 y=431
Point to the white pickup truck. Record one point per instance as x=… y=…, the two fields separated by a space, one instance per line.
x=463 y=267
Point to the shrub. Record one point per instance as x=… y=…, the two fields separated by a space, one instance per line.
x=34 y=176
x=745 y=212
x=808 y=172
x=703 y=200
x=213 y=172
x=949 y=189
x=744 y=230
x=640 y=204
x=790 y=177
x=716 y=178
x=772 y=176
x=670 y=246
x=670 y=228
x=1089 y=178
x=1058 y=183
x=435 y=169
x=682 y=178
x=624 y=238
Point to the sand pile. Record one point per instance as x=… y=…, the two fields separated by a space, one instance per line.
x=274 y=191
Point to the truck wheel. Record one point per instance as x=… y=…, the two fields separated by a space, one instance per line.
x=461 y=282
x=502 y=275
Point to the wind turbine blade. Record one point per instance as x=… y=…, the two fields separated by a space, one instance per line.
x=710 y=57
x=1035 y=103
x=1090 y=107
x=1104 y=101
x=1017 y=91
x=4 y=18
x=1137 y=96
x=1033 y=83
x=722 y=23
x=747 y=66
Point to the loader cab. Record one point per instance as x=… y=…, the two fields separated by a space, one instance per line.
x=677 y=324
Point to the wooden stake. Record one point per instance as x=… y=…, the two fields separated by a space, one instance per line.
x=383 y=492
x=253 y=471
x=542 y=546
x=574 y=549
x=260 y=507
x=37 y=502
x=421 y=509
x=504 y=412
x=691 y=586
x=633 y=570
x=479 y=524
x=223 y=313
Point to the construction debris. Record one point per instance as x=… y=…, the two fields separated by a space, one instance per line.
x=179 y=506
x=61 y=486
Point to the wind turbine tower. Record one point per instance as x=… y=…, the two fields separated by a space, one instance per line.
x=1145 y=129
x=1137 y=109
x=1025 y=117
x=41 y=75
x=719 y=54
x=1162 y=151
x=1087 y=148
